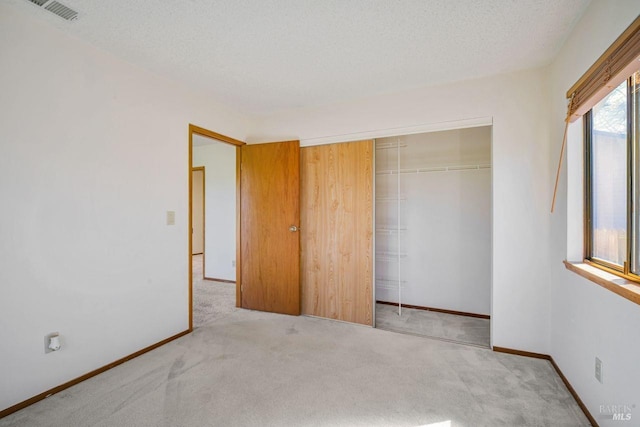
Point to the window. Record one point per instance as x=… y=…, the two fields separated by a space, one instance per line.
x=612 y=181
x=606 y=97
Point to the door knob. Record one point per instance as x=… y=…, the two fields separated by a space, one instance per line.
x=293 y=229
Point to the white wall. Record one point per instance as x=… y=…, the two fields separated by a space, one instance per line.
x=84 y=245
x=219 y=160
x=445 y=217
x=588 y=320
x=521 y=181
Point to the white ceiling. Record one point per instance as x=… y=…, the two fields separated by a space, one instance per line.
x=262 y=56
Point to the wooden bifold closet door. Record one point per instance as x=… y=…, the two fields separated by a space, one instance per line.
x=336 y=197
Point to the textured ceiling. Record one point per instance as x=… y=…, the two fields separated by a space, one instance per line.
x=261 y=56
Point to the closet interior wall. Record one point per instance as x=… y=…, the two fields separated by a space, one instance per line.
x=433 y=220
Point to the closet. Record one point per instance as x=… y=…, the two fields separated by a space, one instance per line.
x=433 y=234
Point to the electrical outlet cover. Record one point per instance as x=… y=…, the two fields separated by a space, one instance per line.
x=47 y=340
x=599 y=370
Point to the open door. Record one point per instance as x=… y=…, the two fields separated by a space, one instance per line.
x=269 y=221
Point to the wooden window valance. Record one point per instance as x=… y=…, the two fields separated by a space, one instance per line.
x=614 y=66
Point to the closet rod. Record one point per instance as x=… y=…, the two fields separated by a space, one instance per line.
x=391 y=255
x=390 y=230
x=389 y=146
x=390 y=199
x=391 y=286
x=392 y=281
x=434 y=169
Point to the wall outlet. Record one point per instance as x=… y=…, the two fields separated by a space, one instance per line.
x=233 y=263
x=599 y=370
x=47 y=341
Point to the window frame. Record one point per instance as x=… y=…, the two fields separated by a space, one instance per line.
x=624 y=270
x=614 y=66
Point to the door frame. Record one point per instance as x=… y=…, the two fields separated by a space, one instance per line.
x=204 y=208
x=197 y=130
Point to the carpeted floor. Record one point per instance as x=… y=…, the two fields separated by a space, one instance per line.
x=450 y=327
x=211 y=299
x=247 y=368
x=259 y=369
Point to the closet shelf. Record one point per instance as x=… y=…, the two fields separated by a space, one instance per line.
x=387 y=280
x=389 y=146
x=390 y=199
x=390 y=286
x=390 y=256
x=390 y=230
x=455 y=168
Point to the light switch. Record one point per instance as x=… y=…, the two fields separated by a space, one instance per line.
x=171 y=218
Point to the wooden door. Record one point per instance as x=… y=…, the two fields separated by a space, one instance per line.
x=269 y=221
x=197 y=211
x=337 y=231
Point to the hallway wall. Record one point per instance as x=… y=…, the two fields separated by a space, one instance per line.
x=219 y=160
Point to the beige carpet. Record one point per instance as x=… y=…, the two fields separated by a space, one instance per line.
x=450 y=327
x=212 y=300
x=259 y=369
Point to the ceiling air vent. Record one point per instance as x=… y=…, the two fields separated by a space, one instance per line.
x=62 y=10
x=57 y=8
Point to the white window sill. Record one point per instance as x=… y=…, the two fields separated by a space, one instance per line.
x=619 y=285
